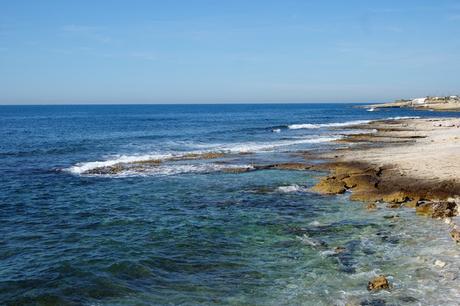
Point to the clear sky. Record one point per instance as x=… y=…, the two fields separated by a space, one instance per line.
x=192 y=51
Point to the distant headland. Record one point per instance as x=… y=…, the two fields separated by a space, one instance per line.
x=446 y=103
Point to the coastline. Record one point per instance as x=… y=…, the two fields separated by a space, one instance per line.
x=432 y=105
x=400 y=163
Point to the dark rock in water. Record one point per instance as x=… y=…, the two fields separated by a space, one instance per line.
x=296 y=230
x=292 y=166
x=371 y=206
x=394 y=205
x=408 y=299
x=195 y=156
x=455 y=234
x=373 y=302
x=115 y=169
x=441 y=209
x=391 y=217
x=237 y=170
x=345 y=256
x=378 y=283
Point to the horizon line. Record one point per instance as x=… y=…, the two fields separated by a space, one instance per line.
x=181 y=103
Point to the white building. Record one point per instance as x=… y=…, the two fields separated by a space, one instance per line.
x=419 y=101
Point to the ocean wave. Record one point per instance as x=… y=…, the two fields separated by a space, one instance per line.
x=344 y=124
x=254 y=147
x=123 y=159
x=171 y=169
x=402 y=118
x=214 y=151
x=334 y=124
x=291 y=188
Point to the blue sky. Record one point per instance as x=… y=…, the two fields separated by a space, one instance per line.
x=227 y=51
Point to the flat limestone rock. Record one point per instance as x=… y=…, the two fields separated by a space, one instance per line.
x=330 y=185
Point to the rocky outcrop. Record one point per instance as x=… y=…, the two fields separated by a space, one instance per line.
x=107 y=170
x=441 y=209
x=330 y=185
x=370 y=183
x=378 y=283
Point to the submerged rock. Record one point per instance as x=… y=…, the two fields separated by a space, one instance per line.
x=455 y=234
x=236 y=170
x=371 y=206
x=394 y=205
x=292 y=166
x=378 y=283
x=373 y=302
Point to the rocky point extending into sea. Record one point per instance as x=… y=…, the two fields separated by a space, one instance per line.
x=400 y=163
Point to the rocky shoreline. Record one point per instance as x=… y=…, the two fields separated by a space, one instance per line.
x=396 y=167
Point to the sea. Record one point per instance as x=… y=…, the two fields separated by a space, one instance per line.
x=187 y=231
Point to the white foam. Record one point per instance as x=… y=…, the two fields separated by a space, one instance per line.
x=334 y=124
x=245 y=147
x=402 y=117
x=254 y=147
x=291 y=188
x=84 y=167
x=343 y=124
x=172 y=169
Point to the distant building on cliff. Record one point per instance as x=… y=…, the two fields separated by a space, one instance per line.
x=418 y=101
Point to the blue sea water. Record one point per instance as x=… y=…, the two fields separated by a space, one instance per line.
x=186 y=232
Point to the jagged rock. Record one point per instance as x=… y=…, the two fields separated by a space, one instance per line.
x=412 y=203
x=378 y=283
x=455 y=234
x=396 y=197
x=436 y=209
x=330 y=185
x=444 y=209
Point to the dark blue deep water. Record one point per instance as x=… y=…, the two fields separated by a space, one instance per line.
x=184 y=231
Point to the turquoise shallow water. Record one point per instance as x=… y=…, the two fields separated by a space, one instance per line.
x=187 y=233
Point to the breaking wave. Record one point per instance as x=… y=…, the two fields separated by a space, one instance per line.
x=344 y=124
x=335 y=124
x=291 y=188
x=237 y=148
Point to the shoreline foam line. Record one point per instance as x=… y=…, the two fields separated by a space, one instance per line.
x=343 y=124
x=249 y=147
